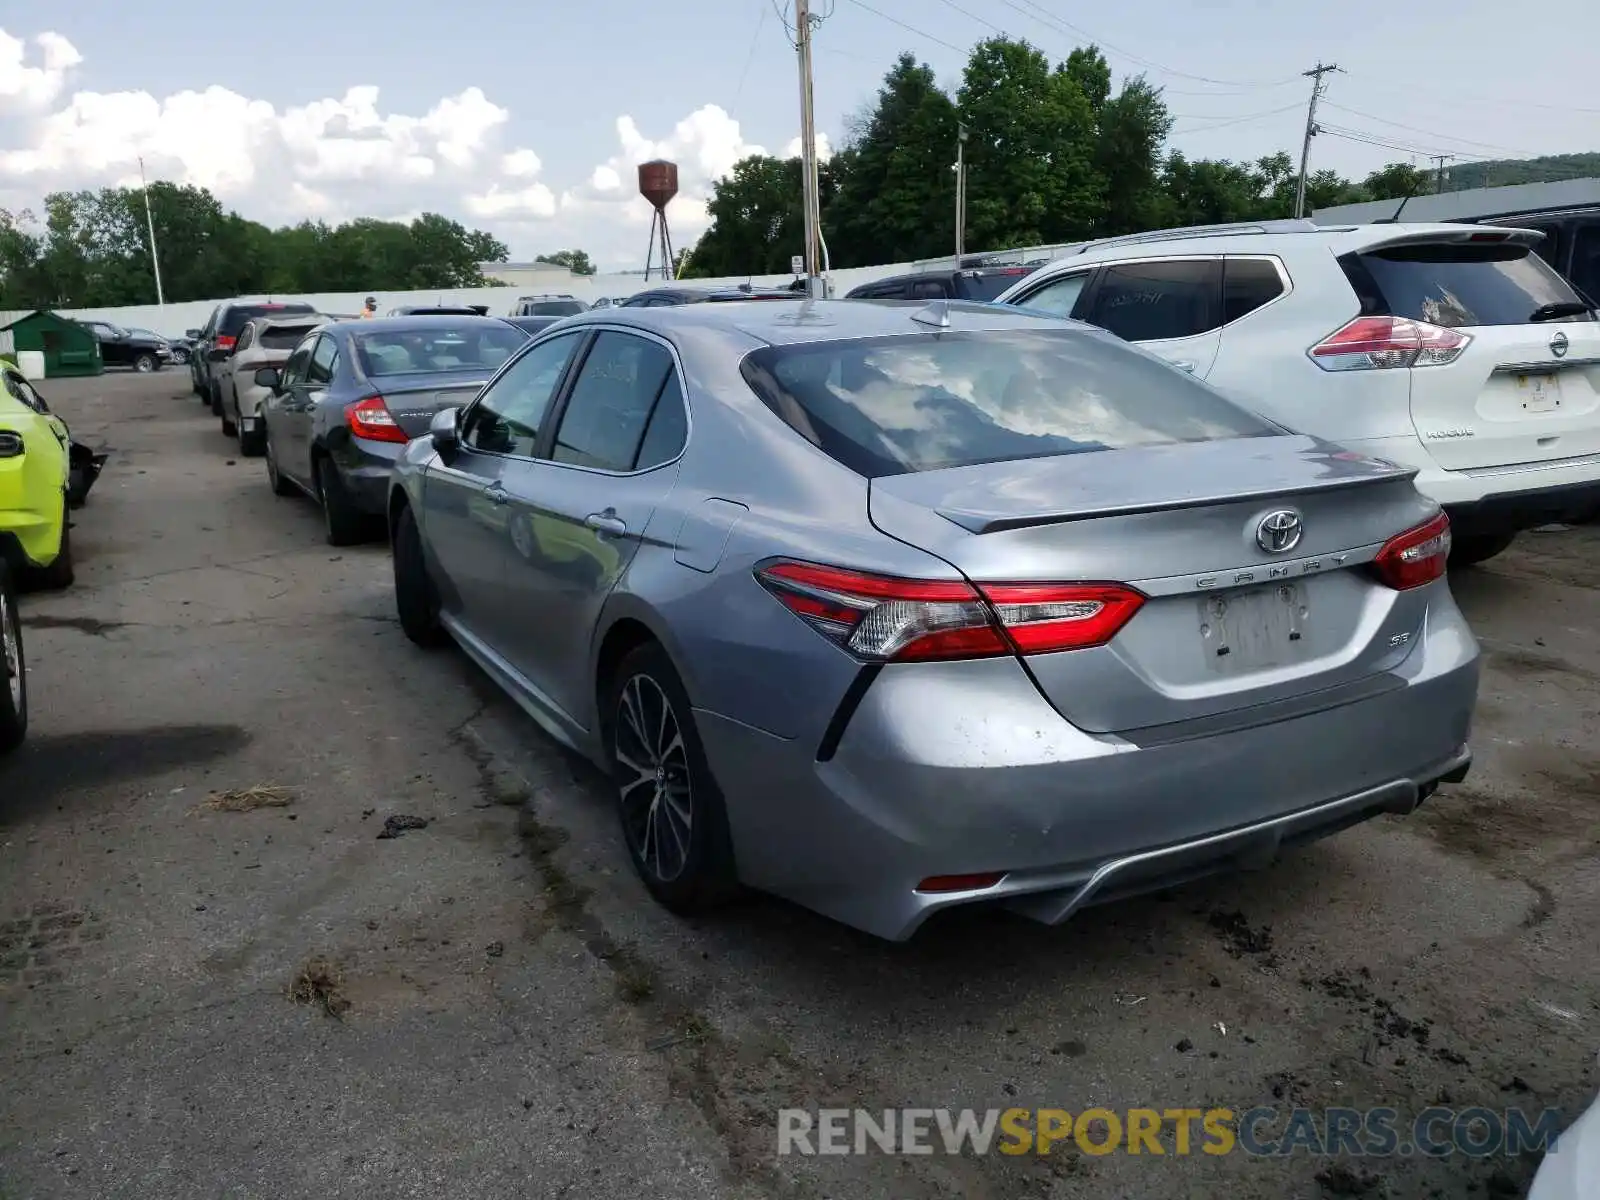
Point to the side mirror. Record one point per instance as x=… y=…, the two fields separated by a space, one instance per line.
x=445 y=430
x=192 y=334
x=269 y=378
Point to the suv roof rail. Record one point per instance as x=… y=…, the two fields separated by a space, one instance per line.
x=1286 y=225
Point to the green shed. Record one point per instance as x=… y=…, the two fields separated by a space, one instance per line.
x=68 y=348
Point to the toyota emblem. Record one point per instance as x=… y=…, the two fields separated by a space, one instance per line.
x=1279 y=532
x=1558 y=345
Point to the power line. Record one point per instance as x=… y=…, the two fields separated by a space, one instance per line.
x=921 y=33
x=972 y=16
x=1366 y=137
x=750 y=58
x=1225 y=122
x=1444 y=137
x=1412 y=96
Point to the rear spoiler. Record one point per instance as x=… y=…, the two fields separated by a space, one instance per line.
x=1461 y=235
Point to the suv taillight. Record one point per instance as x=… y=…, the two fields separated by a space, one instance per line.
x=882 y=618
x=1415 y=557
x=225 y=341
x=1378 y=343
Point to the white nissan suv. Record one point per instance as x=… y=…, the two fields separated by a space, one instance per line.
x=1449 y=348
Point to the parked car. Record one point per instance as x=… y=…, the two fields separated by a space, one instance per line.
x=440 y=310
x=352 y=393
x=262 y=342
x=559 y=304
x=975 y=283
x=215 y=342
x=35 y=483
x=531 y=325
x=177 y=348
x=676 y=294
x=605 y=302
x=1571 y=1169
x=898 y=609
x=1451 y=349
x=83 y=463
x=13 y=667
x=120 y=347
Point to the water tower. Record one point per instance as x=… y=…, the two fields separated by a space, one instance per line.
x=658 y=183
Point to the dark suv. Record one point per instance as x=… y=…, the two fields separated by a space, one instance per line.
x=982 y=284
x=216 y=341
x=666 y=297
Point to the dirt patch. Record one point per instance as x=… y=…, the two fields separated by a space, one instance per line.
x=320 y=981
x=1559 y=799
x=1523 y=662
x=237 y=800
x=88 y=625
x=1238 y=937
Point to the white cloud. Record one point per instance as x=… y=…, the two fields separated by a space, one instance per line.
x=343 y=157
x=28 y=87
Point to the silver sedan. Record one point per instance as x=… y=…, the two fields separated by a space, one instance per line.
x=887 y=609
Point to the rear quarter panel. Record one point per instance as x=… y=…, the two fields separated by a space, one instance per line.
x=32 y=486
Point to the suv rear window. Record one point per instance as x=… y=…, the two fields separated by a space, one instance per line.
x=922 y=402
x=1457 y=285
x=233 y=320
x=552 y=308
x=284 y=337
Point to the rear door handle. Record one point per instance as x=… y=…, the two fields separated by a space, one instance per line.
x=606 y=522
x=496 y=493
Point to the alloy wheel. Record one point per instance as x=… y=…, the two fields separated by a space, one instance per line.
x=657 y=792
x=11 y=650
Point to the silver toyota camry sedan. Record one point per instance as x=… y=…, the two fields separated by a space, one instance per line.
x=886 y=609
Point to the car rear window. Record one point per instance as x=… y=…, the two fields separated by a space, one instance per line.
x=284 y=337
x=986 y=286
x=234 y=319
x=1457 y=284
x=922 y=402
x=554 y=308
x=437 y=348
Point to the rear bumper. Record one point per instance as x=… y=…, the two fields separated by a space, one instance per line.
x=964 y=768
x=365 y=467
x=1497 y=500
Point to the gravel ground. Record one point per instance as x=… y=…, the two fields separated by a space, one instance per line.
x=203 y=996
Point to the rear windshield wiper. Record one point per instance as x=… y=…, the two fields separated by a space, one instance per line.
x=1561 y=308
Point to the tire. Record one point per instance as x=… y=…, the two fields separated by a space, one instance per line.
x=665 y=786
x=252 y=443
x=275 y=480
x=13 y=668
x=416 y=600
x=60 y=573
x=346 y=524
x=229 y=428
x=1476 y=548
x=146 y=363
x=215 y=400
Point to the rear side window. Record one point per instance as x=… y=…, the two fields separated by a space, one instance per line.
x=1586 y=259
x=284 y=337
x=922 y=402
x=324 y=361
x=234 y=319
x=1248 y=284
x=930 y=289
x=246 y=337
x=985 y=286
x=554 y=308
x=1153 y=301
x=1457 y=285
x=612 y=402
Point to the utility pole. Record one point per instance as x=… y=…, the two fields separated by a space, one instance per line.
x=150 y=223
x=808 y=149
x=1317 y=87
x=961 y=192
x=1438 y=176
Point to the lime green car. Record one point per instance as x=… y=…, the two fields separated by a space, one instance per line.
x=35 y=485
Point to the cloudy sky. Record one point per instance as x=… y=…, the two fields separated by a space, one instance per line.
x=528 y=117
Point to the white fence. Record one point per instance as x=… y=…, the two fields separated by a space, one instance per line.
x=173 y=319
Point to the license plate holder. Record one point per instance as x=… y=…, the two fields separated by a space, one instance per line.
x=1539 y=392
x=1255 y=629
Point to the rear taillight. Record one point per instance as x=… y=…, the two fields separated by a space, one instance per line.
x=10 y=444
x=1378 y=343
x=370 y=418
x=1415 y=557
x=224 y=342
x=881 y=618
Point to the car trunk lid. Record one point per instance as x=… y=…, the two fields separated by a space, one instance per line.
x=412 y=400
x=1240 y=612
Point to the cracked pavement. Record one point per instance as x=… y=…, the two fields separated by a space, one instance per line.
x=514 y=1018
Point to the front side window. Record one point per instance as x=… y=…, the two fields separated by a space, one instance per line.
x=1156 y=301
x=923 y=402
x=507 y=416
x=612 y=403
x=295 y=369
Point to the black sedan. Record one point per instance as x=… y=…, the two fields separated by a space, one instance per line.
x=134 y=348
x=353 y=393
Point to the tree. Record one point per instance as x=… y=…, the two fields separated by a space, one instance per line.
x=1397 y=181
x=756 y=220
x=896 y=191
x=576 y=261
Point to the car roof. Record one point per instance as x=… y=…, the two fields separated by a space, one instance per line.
x=421 y=321
x=792 y=322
